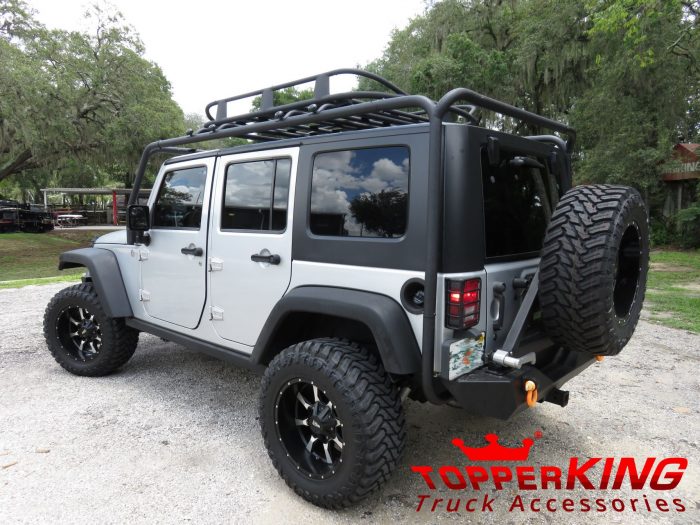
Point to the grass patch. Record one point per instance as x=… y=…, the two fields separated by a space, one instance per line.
x=673 y=288
x=19 y=283
x=35 y=255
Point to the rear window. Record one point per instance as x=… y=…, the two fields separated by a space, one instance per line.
x=519 y=195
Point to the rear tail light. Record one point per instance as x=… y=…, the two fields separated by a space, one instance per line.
x=463 y=301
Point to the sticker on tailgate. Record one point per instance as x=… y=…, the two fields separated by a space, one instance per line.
x=466 y=355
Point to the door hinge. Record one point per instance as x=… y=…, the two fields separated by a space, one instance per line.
x=144 y=295
x=216 y=313
x=141 y=255
x=216 y=264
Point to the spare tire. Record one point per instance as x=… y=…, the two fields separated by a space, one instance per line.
x=593 y=269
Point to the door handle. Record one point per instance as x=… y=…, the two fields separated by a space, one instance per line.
x=272 y=258
x=192 y=250
x=499 y=297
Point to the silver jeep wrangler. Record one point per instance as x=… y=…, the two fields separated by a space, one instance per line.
x=358 y=249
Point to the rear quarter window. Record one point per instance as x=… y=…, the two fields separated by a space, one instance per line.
x=360 y=193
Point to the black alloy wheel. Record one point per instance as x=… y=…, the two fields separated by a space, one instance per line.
x=308 y=425
x=79 y=332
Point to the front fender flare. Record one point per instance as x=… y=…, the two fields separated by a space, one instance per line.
x=384 y=317
x=105 y=275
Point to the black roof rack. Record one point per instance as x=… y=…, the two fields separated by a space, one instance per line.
x=322 y=101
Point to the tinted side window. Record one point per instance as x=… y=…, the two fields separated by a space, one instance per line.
x=360 y=193
x=256 y=195
x=180 y=197
x=519 y=195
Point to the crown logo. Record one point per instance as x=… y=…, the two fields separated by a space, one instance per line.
x=495 y=452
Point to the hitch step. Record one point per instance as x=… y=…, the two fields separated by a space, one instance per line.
x=558 y=397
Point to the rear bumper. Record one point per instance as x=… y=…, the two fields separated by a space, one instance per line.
x=500 y=392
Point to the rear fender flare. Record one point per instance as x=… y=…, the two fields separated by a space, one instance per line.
x=382 y=315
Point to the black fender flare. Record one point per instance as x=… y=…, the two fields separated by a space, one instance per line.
x=384 y=317
x=105 y=275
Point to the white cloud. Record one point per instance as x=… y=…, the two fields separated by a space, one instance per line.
x=328 y=200
x=248 y=185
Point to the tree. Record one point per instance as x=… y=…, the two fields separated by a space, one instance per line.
x=624 y=73
x=383 y=213
x=529 y=53
x=77 y=106
x=637 y=102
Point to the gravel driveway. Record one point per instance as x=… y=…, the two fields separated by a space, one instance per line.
x=173 y=437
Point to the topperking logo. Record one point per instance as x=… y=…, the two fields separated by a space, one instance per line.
x=508 y=468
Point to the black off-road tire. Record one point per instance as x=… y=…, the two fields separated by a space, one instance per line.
x=118 y=341
x=368 y=404
x=594 y=267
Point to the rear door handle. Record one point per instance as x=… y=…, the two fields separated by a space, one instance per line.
x=271 y=259
x=192 y=250
x=499 y=297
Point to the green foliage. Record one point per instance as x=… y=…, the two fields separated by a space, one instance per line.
x=76 y=108
x=624 y=73
x=285 y=96
x=530 y=53
x=689 y=226
x=638 y=93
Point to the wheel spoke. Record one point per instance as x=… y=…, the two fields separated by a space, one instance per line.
x=302 y=422
x=316 y=398
x=328 y=454
x=303 y=401
x=311 y=442
x=338 y=444
x=81 y=312
x=80 y=349
x=70 y=318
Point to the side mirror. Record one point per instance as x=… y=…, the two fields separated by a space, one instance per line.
x=138 y=218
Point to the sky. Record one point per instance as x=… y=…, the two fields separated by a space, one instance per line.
x=212 y=49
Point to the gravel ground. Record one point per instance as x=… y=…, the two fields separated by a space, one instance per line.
x=173 y=437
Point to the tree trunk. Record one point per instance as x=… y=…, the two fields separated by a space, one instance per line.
x=16 y=165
